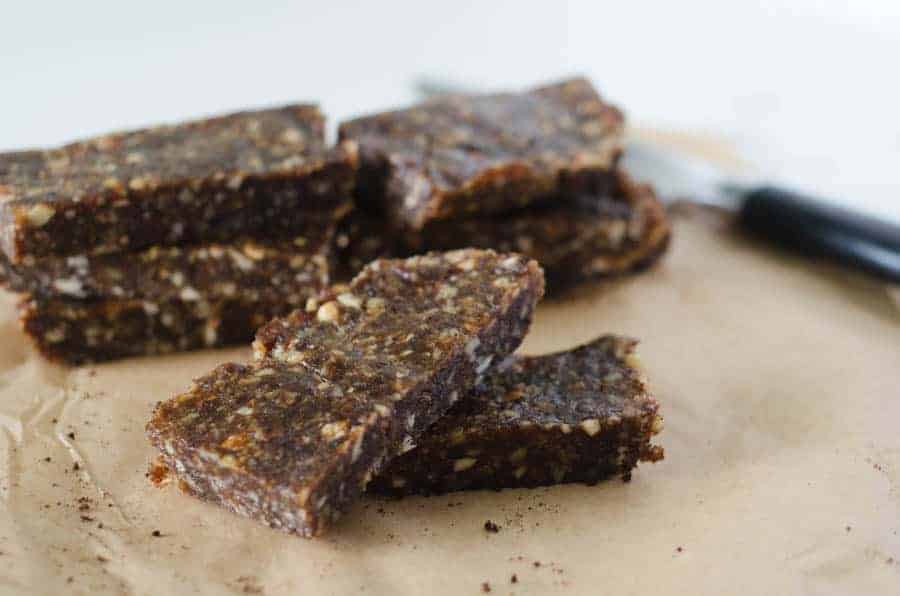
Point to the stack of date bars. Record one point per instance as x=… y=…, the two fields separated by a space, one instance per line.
x=190 y=236
x=172 y=238
x=534 y=172
x=403 y=381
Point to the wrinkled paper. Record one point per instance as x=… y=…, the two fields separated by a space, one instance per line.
x=780 y=385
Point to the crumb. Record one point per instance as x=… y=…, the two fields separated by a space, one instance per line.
x=70 y=579
x=514 y=579
x=76 y=466
x=100 y=526
x=87 y=518
x=490 y=526
x=485 y=587
x=91 y=372
x=54 y=421
x=890 y=560
x=849 y=528
x=102 y=559
x=679 y=549
x=71 y=435
x=156 y=533
x=47 y=459
x=537 y=563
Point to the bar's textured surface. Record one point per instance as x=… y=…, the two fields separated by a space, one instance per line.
x=461 y=155
x=246 y=268
x=576 y=416
x=577 y=238
x=78 y=332
x=206 y=180
x=340 y=387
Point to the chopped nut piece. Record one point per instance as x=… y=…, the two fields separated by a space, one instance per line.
x=591 y=426
x=39 y=215
x=559 y=391
x=323 y=373
x=464 y=463
x=349 y=300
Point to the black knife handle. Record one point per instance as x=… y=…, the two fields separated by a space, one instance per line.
x=818 y=228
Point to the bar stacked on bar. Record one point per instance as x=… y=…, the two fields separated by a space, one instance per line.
x=344 y=385
x=582 y=415
x=534 y=172
x=174 y=237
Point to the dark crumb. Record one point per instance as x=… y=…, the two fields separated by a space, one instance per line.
x=71 y=435
x=47 y=459
x=76 y=466
x=70 y=579
x=156 y=533
x=54 y=421
x=100 y=526
x=849 y=528
x=537 y=563
x=102 y=559
x=514 y=579
x=485 y=587
x=679 y=549
x=87 y=518
x=490 y=526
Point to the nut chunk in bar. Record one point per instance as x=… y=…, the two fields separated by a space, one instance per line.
x=462 y=155
x=294 y=437
x=576 y=416
x=587 y=236
x=206 y=180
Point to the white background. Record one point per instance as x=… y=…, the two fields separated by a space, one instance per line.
x=807 y=91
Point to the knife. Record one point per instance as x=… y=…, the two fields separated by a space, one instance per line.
x=788 y=218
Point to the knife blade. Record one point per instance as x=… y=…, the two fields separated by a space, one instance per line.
x=791 y=219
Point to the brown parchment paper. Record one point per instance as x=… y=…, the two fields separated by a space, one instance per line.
x=779 y=380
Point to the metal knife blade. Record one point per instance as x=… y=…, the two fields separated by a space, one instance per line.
x=677 y=176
